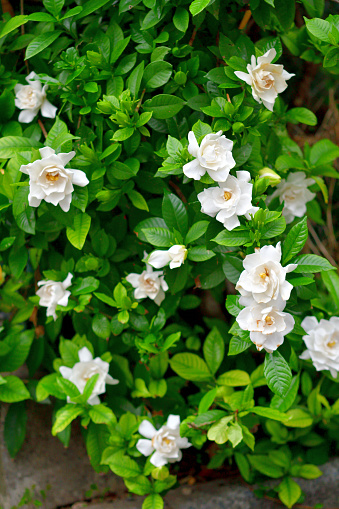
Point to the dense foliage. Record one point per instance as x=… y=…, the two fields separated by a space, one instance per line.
x=148 y=174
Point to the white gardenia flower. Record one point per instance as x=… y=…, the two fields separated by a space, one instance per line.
x=266 y=80
x=49 y=180
x=264 y=278
x=84 y=370
x=165 y=443
x=175 y=257
x=322 y=342
x=214 y=156
x=53 y=294
x=267 y=323
x=295 y=194
x=231 y=199
x=149 y=283
x=31 y=98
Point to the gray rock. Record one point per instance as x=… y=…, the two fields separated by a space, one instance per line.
x=64 y=473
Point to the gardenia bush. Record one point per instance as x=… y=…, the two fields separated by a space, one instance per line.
x=149 y=175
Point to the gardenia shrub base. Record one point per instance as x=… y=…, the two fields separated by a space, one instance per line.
x=147 y=158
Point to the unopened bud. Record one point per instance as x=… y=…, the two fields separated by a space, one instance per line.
x=271 y=174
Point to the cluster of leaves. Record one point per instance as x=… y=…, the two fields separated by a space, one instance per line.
x=130 y=80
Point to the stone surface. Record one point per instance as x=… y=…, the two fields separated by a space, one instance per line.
x=43 y=461
x=233 y=494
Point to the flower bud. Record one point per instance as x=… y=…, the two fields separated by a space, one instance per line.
x=271 y=174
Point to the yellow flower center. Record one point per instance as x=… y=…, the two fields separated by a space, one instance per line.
x=269 y=320
x=331 y=344
x=52 y=178
x=227 y=195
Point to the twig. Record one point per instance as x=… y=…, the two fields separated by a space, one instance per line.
x=178 y=191
x=140 y=100
x=42 y=128
x=320 y=245
x=245 y=20
x=194 y=33
x=331 y=235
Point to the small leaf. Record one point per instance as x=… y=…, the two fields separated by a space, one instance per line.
x=277 y=373
x=78 y=234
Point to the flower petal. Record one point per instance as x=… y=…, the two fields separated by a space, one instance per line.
x=146 y=429
x=193 y=145
x=158 y=460
x=159 y=259
x=46 y=152
x=173 y=421
x=48 y=110
x=68 y=281
x=193 y=170
x=79 y=178
x=27 y=116
x=111 y=381
x=145 y=446
x=244 y=77
x=65 y=372
x=85 y=355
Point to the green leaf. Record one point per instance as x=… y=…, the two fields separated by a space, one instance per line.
x=331 y=281
x=323 y=152
x=232 y=238
x=301 y=115
x=123 y=465
x=207 y=400
x=91 y=6
x=54 y=6
x=273 y=228
x=190 y=367
x=160 y=237
x=214 y=350
x=174 y=213
x=295 y=240
x=198 y=6
x=164 y=106
x=306 y=471
x=153 y=501
x=289 y=492
x=234 y=378
x=298 y=418
x=24 y=214
x=101 y=414
x=319 y=28
x=200 y=254
x=139 y=485
x=270 y=413
x=156 y=74
x=238 y=345
x=19 y=346
x=284 y=403
x=134 y=80
x=15 y=427
x=65 y=416
x=138 y=200
x=13 y=24
x=218 y=432
x=12 y=145
x=13 y=390
x=77 y=236
x=265 y=466
x=196 y=231
x=41 y=42
x=181 y=19
x=277 y=373
x=311 y=263
x=106 y=299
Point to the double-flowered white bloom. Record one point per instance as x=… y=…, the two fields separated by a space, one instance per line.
x=231 y=199
x=322 y=342
x=149 y=284
x=267 y=80
x=264 y=291
x=49 y=180
x=264 y=278
x=295 y=194
x=31 y=98
x=84 y=370
x=267 y=323
x=175 y=257
x=214 y=156
x=166 y=443
x=53 y=294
